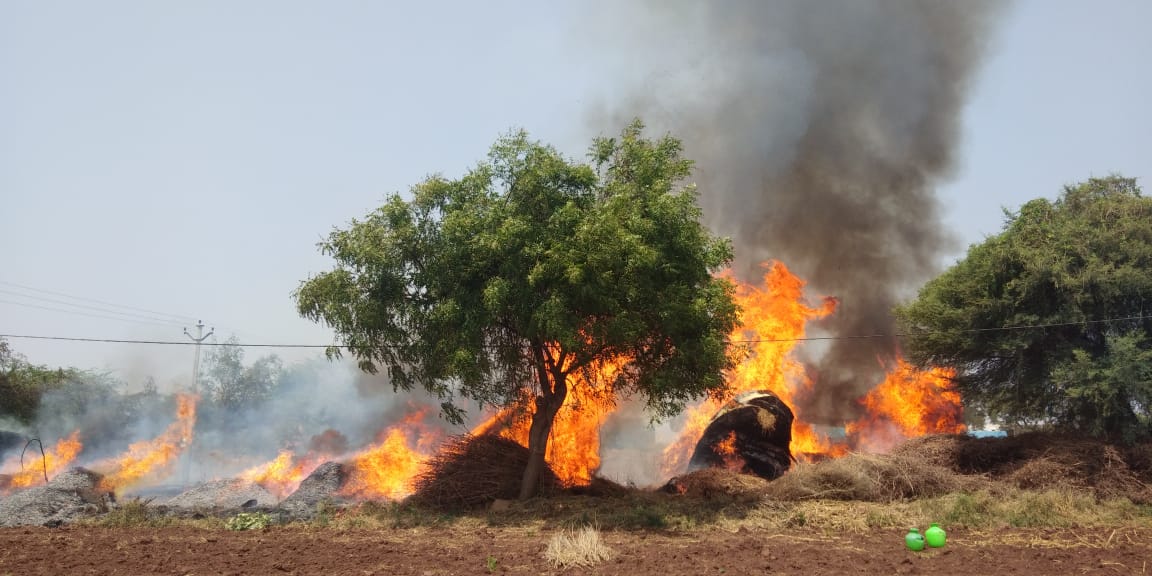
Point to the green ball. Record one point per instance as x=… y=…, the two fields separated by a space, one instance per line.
x=935 y=536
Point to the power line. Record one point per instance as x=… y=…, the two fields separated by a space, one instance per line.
x=78 y=312
x=752 y=341
x=95 y=308
x=178 y=318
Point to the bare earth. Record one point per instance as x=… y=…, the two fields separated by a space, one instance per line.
x=79 y=550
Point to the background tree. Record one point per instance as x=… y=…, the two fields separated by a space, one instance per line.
x=232 y=385
x=531 y=269
x=22 y=384
x=1084 y=258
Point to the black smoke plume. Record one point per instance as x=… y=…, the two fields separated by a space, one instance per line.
x=821 y=129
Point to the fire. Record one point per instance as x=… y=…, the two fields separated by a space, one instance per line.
x=54 y=460
x=283 y=475
x=773 y=319
x=727 y=450
x=909 y=403
x=574 y=444
x=388 y=468
x=153 y=458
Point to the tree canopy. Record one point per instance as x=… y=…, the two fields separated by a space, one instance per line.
x=1078 y=270
x=530 y=269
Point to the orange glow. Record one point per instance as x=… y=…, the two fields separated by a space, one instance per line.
x=283 y=475
x=909 y=403
x=388 y=468
x=727 y=450
x=153 y=459
x=774 y=317
x=574 y=444
x=55 y=459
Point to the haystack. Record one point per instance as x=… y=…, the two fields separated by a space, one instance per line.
x=717 y=484
x=473 y=471
x=70 y=495
x=751 y=433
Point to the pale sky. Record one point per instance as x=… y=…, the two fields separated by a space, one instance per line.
x=185 y=158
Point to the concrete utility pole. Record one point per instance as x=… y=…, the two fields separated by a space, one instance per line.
x=198 y=338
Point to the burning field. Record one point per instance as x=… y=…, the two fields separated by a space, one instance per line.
x=776 y=315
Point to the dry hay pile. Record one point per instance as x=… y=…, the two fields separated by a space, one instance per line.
x=473 y=471
x=719 y=484
x=869 y=478
x=1037 y=461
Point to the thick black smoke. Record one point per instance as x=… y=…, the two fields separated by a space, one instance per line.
x=821 y=129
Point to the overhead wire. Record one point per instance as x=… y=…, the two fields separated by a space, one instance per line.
x=181 y=318
x=748 y=341
x=152 y=319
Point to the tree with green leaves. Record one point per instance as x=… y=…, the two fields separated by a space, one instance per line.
x=232 y=385
x=23 y=384
x=531 y=270
x=1079 y=272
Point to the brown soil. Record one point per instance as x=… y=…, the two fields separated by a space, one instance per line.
x=186 y=550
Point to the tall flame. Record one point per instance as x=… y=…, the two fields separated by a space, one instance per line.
x=153 y=459
x=772 y=320
x=54 y=460
x=574 y=443
x=388 y=468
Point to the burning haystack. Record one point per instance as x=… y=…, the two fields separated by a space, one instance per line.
x=749 y=434
x=473 y=471
x=67 y=497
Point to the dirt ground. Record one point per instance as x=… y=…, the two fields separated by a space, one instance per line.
x=79 y=550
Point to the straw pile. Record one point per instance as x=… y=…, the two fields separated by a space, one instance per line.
x=718 y=484
x=473 y=471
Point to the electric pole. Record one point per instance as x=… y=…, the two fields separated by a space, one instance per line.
x=198 y=338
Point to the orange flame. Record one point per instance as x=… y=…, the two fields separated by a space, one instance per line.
x=152 y=459
x=283 y=475
x=574 y=444
x=727 y=450
x=909 y=403
x=388 y=468
x=54 y=461
x=772 y=319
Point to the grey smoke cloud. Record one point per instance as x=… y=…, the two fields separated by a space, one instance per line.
x=821 y=130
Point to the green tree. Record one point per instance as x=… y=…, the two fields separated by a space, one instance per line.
x=531 y=269
x=232 y=385
x=23 y=384
x=1071 y=263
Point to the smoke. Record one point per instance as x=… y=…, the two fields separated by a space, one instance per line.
x=821 y=131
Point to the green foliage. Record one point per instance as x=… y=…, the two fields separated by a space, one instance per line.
x=490 y=563
x=249 y=521
x=531 y=268
x=1085 y=257
x=232 y=385
x=22 y=384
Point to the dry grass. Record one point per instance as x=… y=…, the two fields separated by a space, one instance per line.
x=579 y=548
x=471 y=472
x=868 y=478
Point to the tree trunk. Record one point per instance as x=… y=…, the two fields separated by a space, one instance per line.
x=554 y=389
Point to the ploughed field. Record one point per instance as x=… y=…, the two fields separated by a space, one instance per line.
x=517 y=550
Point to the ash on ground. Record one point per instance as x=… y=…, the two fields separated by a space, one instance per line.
x=322 y=485
x=223 y=494
x=69 y=496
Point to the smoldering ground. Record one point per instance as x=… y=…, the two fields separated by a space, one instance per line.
x=821 y=131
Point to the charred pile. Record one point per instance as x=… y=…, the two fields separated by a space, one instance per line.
x=69 y=496
x=322 y=485
x=223 y=494
x=473 y=471
x=750 y=434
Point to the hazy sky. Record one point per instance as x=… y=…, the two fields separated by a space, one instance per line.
x=185 y=158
